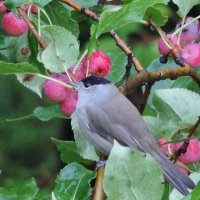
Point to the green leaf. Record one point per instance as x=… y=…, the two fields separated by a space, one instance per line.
x=129 y=174
x=152 y=123
x=195 y=194
x=184 y=6
x=60 y=16
x=35 y=83
x=186 y=82
x=185 y=103
x=17 y=49
x=26 y=191
x=34 y=48
x=176 y=195
x=62 y=50
x=119 y=16
x=93 y=42
x=73 y=182
x=43 y=114
x=16 y=3
x=165 y=113
x=156 y=15
x=48 y=113
x=68 y=152
x=180 y=108
x=12 y=68
x=84 y=147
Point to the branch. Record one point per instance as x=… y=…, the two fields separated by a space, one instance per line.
x=98 y=192
x=151 y=77
x=120 y=43
x=184 y=147
x=32 y=28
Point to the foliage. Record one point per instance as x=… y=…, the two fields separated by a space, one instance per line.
x=173 y=105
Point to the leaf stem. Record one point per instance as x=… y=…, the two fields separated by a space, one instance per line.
x=55 y=80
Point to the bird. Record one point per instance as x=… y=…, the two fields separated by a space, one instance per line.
x=105 y=115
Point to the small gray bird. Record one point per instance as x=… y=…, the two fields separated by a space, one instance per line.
x=105 y=115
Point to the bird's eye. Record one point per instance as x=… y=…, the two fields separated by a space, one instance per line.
x=87 y=84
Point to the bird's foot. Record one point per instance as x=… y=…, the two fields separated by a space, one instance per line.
x=100 y=163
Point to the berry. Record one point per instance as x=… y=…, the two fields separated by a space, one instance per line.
x=100 y=64
x=80 y=72
x=191 y=54
x=163 y=59
x=3 y=8
x=192 y=154
x=165 y=148
x=25 y=7
x=55 y=91
x=13 y=25
x=69 y=105
x=191 y=32
x=162 y=47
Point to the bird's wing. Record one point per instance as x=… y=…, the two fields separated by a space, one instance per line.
x=100 y=140
x=122 y=123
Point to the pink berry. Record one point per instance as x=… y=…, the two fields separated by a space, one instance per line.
x=34 y=9
x=69 y=105
x=100 y=64
x=182 y=167
x=55 y=91
x=3 y=8
x=13 y=25
x=165 y=148
x=25 y=7
x=162 y=47
x=80 y=72
x=191 y=32
x=191 y=54
x=192 y=154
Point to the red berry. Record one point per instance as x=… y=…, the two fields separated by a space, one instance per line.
x=25 y=7
x=34 y=9
x=165 y=148
x=80 y=72
x=191 y=32
x=69 y=105
x=55 y=91
x=191 y=54
x=100 y=64
x=192 y=154
x=13 y=25
x=3 y=8
x=162 y=47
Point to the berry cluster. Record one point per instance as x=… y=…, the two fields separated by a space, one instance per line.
x=190 y=49
x=13 y=25
x=191 y=156
x=99 y=64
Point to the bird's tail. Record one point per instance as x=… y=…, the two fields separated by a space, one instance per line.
x=173 y=174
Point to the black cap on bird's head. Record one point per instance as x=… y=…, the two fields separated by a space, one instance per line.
x=90 y=81
x=94 y=80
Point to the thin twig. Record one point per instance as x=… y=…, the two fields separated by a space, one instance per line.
x=32 y=28
x=120 y=43
x=184 y=146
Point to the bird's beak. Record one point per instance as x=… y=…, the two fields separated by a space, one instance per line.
x=73 y=84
